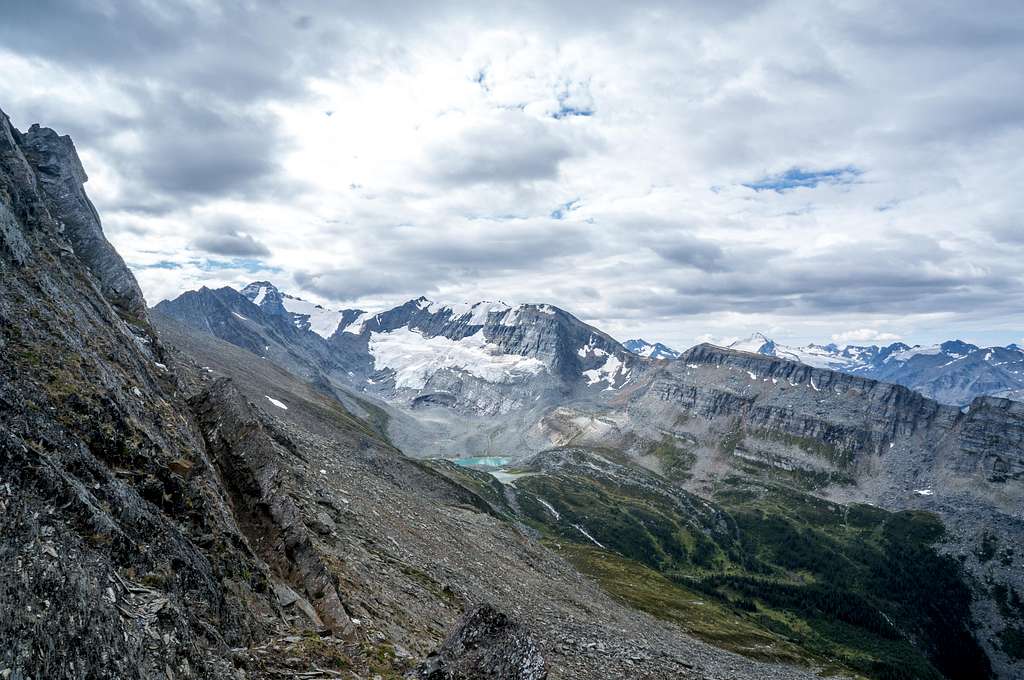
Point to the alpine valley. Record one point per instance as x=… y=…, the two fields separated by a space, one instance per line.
x=245 y=484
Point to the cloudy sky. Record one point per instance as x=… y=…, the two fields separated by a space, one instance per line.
x=845 y=171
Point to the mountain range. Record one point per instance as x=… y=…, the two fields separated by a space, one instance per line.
x=246 y=485
x=952 y=372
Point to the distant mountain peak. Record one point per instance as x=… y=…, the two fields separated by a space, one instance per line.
x=303 y=314
x=654 y=350
x=757 y=342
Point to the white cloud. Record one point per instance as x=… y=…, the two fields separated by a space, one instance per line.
x=864 y=335
x=455 y=135
x=723 y=341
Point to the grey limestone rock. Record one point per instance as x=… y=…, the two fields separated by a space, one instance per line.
x=485 y=643
x=61 y=179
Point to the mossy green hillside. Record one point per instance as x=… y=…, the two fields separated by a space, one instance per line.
x=851 y=587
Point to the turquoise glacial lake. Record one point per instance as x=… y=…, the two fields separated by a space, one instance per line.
x=482 y=461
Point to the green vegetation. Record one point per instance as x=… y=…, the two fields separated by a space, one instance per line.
x=801 y=478
x=705 y=618
x=778 y=573
x=814 y=447
x=666 y=532
x=313 y=647
x=675 y=461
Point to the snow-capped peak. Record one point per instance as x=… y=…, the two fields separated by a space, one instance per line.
x=257 y=291
x=303 y=314
x=478 y=312
x=655 y=350
x=757 y=342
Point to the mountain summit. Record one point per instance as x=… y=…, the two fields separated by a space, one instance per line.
x=656 y=350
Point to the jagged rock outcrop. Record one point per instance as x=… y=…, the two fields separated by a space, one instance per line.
x=227 y=314
x=61 y=179
x=485 y=643
x=250 y=455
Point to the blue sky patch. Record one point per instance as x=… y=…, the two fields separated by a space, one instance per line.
x=246 y=264
x=570 y=111
x=561 y=211
x=162 y=264
x=799 y=177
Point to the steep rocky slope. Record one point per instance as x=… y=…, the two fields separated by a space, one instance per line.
x=120 y=558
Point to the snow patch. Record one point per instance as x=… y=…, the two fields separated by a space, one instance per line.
x=924 y=492
x=240 y=316
x=752 y=344
x=357 y=325
x=275 y=402
x=415 y=358
x=590 y=348
x=322 y=321
x=606 y=373
x=913 y=352
x=482 y=310
x=584 y=532
x=550 y=508
x=260 y=294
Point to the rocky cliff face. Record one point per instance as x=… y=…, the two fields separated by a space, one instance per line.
x=992 y=436
x=120 y=557
x=852 y=414
x=862 y=423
